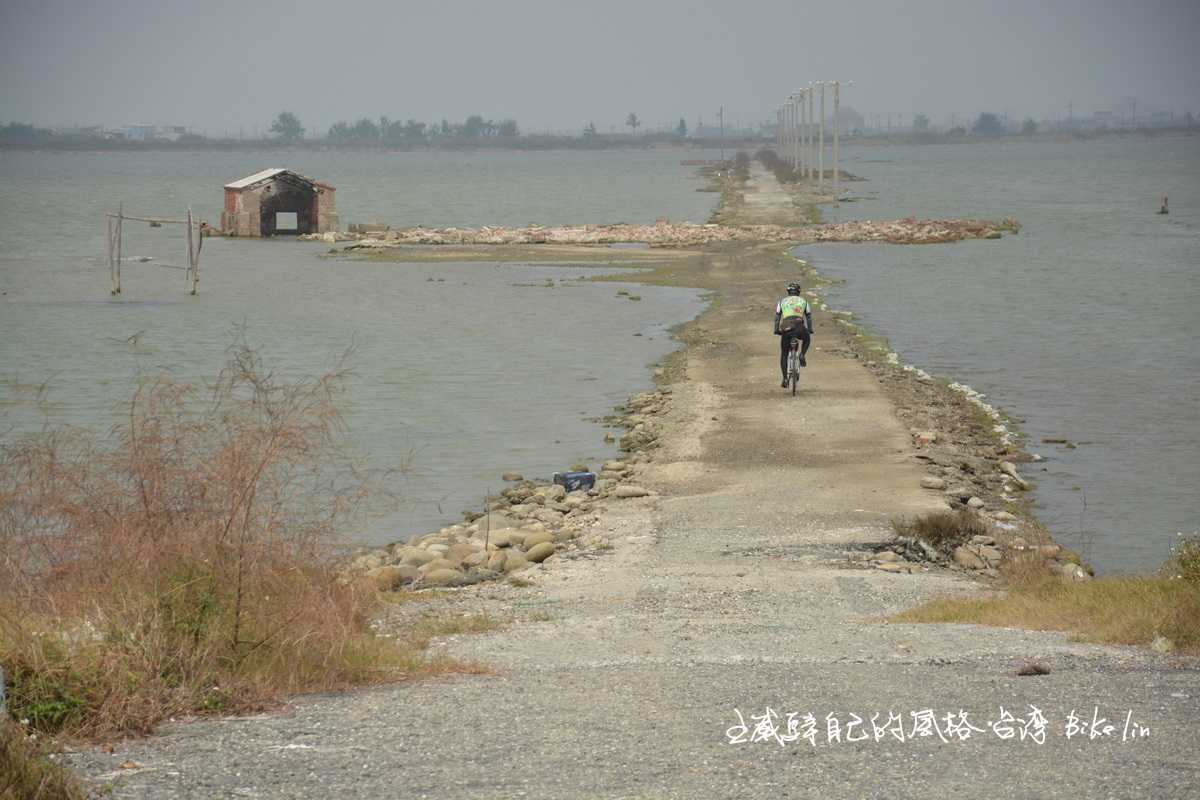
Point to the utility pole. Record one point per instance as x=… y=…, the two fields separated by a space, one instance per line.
x=790 y=105
x=800 y=140
x=808 y=132
x=837 y=172
x=721 y=116
x=813 y=121
x=809 y=100
x=787 y=129
x=821 y=141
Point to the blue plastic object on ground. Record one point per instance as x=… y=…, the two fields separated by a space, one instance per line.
x=574 y=481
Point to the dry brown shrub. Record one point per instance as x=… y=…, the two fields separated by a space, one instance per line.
x=943 y=530
x=186 y=562
x=26 y=771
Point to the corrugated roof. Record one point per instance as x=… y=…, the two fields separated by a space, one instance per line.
x=250 y=180
x=267 y=174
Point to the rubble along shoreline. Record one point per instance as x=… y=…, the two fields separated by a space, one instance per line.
x=529 y=523
x=973 y=454
x=676 y=234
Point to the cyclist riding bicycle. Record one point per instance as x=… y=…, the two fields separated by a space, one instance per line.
x=793 y=320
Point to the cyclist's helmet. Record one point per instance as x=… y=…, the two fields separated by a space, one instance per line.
x=793 y=288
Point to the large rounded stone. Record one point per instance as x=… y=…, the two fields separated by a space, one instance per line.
x=495 y=561
x=501 y=539
x=475 y=559
x=1073 y=573
x=540 y=552
x=536 y=538
x=968 y=560
x=629 y=491
x=444 y=577
x=385 y=579
x=418 y=556
x=553 y=492
x=438 y=563
x=512 y=476
x=368 y=561
x=515 y=561
x=930 y=482
x=990 y=554
x=458 y=552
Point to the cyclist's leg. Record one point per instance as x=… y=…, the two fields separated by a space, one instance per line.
x=805 y=339
x=785 y=343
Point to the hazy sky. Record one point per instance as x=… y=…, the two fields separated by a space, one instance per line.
x=220 y=65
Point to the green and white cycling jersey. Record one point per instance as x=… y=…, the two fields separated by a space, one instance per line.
x=792 y=306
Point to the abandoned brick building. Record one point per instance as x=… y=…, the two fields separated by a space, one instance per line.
x=278 y=202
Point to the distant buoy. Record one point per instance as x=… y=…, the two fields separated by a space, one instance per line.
x=1164 y=209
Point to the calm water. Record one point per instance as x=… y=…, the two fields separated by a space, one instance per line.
x=1085 y=324
x=459 y=404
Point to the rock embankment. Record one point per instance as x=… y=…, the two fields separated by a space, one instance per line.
x=983 y=554
x=680 y=234
x=528 y=524
x=973 y=458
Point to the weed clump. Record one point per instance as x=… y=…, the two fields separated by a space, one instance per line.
x=1184 y=562
x=26 y=773
x=186 y=563
x=942 y=530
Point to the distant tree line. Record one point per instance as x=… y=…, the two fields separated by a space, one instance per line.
x=475 y=131
x=391 y=132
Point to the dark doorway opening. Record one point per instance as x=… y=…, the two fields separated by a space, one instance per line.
x=287 y=210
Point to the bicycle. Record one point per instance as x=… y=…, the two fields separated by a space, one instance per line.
x=793 y=365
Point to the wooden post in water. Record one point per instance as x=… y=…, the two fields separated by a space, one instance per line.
x=120 y=216
x=193 y=255
x=112 y=264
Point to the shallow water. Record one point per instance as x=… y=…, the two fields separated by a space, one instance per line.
x=461 y=371
x=1084 y=325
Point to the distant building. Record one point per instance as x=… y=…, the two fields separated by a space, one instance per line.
x=139 y=132
x=278 y=202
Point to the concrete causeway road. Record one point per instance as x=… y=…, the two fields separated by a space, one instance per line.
x=728 y=592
